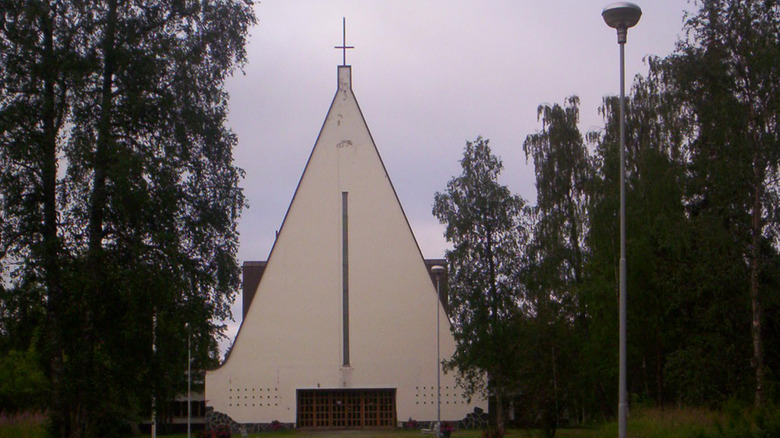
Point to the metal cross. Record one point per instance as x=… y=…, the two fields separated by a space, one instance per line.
x=344 y=45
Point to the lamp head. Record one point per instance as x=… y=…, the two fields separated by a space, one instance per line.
x=621 y=14
x=438 y=270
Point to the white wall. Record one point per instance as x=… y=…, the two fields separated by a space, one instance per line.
x=291 y=337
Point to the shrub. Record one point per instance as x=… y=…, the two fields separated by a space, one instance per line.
x=23 y=385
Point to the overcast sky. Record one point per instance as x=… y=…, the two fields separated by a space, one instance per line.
x=428 y=75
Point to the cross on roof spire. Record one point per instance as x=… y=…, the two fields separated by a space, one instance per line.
x=344 y=45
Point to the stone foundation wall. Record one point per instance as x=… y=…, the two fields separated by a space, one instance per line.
x=475 y=420
x=216 y=419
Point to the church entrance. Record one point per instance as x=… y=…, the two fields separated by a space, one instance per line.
x=346 y=408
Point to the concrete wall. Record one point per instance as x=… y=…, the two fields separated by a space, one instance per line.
x=291 y=337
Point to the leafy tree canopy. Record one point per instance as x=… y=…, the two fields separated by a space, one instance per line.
x=118 y=193
x=483 y=223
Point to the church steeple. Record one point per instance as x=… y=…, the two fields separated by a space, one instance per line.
x=344 y=45
x=345 y=79
x=341 y=329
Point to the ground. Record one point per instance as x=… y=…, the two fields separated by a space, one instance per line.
x=644 y=423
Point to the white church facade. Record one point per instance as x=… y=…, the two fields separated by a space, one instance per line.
x=340 y=331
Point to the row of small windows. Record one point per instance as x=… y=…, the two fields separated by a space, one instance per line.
x=253 y=405
x=426 y=395
x=277 y=389
x=260 y=389
x=455 y=403
x=258 y=398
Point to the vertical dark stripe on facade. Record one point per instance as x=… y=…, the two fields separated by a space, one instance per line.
x=345 y=273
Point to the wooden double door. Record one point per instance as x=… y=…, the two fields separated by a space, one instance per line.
x=346 y=408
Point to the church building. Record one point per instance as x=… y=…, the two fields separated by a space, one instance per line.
x=340 y=324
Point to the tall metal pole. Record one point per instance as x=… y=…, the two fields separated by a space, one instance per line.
x=438 y=358
x=438 y=271
x=623 y=402
x=154 y=353
x=621 y=16
x=189 y=385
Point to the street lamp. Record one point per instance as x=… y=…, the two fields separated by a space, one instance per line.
x=189 y=382
x=154 y=387
x=438 y=271
x=621 y=16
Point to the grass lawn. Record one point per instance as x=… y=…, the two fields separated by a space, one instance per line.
x=399 y=433
x=24 y=425
x=648 y=423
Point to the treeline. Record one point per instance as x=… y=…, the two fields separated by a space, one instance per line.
x=535 y=288
x=118 y=203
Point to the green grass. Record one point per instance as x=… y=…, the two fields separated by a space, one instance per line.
x=24 y=425
x=655 y=423
x=646 y=423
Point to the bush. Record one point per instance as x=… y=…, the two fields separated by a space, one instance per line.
x=23 y=385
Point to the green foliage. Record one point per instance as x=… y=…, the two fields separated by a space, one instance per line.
x=702 y=157
x=483 y=223
x=118 y=194
x=562 y=171
x=22 y=313
x=692 y=221
x=551 y=325
x=23 y=384
x=703 y=184
x=727 y=75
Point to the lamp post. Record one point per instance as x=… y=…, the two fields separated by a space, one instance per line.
x=189 y=382
x=621 y=16
x=438 y=270
x=154 y=387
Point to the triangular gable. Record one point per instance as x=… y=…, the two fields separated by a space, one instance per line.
x=345 y=300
